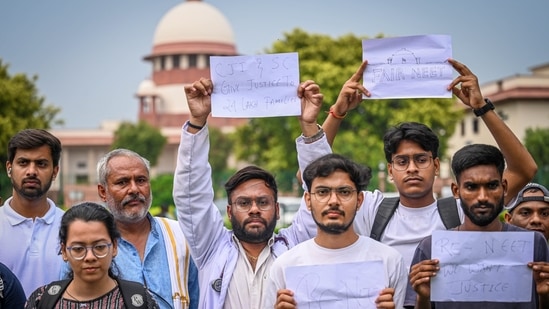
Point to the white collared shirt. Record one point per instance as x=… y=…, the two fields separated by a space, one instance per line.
x=248 y=293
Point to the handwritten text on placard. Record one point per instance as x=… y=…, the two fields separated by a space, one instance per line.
x=482 y=266
x=255 y=86
x=335 y=286
x=408 y=67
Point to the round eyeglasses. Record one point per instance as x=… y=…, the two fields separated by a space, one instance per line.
x=324 y=194
x=244 y=204
x=99 y=251
x=421 y=161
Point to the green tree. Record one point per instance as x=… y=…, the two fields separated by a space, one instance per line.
x=221 y=151
x=142 y=138
x=223 y=148
x=269 y=142
x=162 y=189
x=535 y=141
x=21 y=107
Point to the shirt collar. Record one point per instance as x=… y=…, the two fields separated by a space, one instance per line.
x=14 y=218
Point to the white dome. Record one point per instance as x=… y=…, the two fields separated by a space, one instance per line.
x=193 y=21
x=146 y=88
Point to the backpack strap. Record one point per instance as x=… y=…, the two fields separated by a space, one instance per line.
x=52 y=293
x=384 y=213
x=133 y=293
x=447 y=209
x=2 y=286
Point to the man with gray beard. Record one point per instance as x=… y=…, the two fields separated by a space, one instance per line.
x=29 y=221
x=148 y=243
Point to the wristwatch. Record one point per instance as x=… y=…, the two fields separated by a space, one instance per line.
x=484 y=109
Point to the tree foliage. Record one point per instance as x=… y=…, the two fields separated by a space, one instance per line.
x=269 y=142
x=222 y=149
x=22 y=107
x=162 y=189
x=535 y=141
x=142 y=138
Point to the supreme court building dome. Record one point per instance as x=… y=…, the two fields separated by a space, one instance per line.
x=184 y=39
x=194 y=21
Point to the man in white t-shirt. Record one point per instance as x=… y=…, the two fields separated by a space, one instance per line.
x=334 y=196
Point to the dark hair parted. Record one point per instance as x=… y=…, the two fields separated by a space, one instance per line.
x=324 y=166
x=89 y=211
x=411 y=131
x=32 y=139
x=475 y=155
x=249 y=173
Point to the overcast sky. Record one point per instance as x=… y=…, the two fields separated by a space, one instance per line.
x=88 y=54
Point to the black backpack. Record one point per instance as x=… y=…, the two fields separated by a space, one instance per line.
x=134 y=294
x=1 y=292
x=447 y=209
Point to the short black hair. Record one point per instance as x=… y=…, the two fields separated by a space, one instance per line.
x=475 y=155
x=249 y=173
x=411 y=131
x=32 y=139
x=324 y=166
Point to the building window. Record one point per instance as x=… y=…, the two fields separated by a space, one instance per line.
x=82 y=179
x=146 y=105
x=193 y=60
x=175 y=62
x=475 y=125
x=162 y=63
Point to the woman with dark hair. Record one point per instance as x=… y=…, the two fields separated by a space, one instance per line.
x=88 y=239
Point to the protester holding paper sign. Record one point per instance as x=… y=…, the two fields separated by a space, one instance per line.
x=335 y=194
x=233 y=265
x=481 y=189
x=413 y=162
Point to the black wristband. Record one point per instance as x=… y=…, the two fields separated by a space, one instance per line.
x=194 y=126
x=485 y=108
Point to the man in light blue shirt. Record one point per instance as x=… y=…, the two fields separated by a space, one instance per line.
x=152 y=250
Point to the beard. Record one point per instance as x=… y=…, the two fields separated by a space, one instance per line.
x=256 y=236
x=34 y=193
x=484 y=219
x=129 y=216
x=333 y=228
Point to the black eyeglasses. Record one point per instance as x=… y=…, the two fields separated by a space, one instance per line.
x=100 y=251
x=244 y=204
x=421 y=160
x=324 y=194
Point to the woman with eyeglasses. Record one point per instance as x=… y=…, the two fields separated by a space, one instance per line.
x=88 y=240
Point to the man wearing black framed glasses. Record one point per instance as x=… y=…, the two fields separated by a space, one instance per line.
x=335 y=195
x=233 y=265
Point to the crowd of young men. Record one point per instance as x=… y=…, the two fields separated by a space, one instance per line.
x=244 y=267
